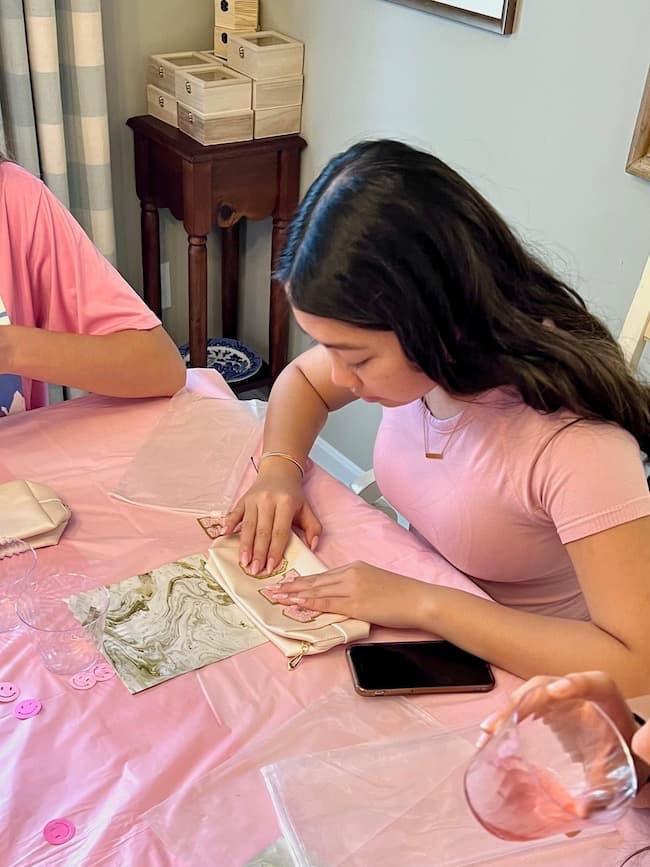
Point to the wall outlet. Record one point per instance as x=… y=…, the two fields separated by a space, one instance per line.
x=165 y=286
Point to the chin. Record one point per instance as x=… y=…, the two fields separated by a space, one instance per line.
x=388 y=402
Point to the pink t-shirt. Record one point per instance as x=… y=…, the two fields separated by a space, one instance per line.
x=53 y=277
x=514 y=486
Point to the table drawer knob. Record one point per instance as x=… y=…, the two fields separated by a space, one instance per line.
x=242 y=53
x=224 y=38
x=188 y=87
x=161 y=71
x=190 y=117
x=224 y=5
x=161 y=101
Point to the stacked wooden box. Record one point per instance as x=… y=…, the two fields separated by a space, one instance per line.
x=233 y=16
x=274 y=63
x=253 y=91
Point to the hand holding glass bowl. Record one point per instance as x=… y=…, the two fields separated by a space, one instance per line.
x=552 y=762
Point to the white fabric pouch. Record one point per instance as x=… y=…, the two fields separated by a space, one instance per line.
x=32 y=512
x=278 y=621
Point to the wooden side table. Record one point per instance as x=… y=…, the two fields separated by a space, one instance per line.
x=216 y=185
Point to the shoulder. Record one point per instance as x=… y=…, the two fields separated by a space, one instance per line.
x=591 y=477
x=18 y=186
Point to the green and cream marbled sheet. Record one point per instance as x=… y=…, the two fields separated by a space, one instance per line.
x=172 y=620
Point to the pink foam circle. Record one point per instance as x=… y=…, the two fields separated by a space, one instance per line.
x=8 y=691
x=59 y=831
x=28 y=708
x=103 y=671
x=83 y=680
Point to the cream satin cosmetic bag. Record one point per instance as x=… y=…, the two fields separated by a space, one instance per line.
x=294 y=638
x=33 y=513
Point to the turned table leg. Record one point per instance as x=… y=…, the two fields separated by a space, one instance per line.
x=151 y=256
x=198 y=299
x=229 y=279
x=279 y=306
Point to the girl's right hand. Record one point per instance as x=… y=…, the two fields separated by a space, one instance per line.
x=267 y=511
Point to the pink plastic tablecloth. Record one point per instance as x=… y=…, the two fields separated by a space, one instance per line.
x=101 y=758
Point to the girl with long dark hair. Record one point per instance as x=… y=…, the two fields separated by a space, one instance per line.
x=512 y=430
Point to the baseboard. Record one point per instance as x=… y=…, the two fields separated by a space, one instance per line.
x=334 y=462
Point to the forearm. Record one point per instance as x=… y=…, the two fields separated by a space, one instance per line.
x=124 y=364
x=530 y=644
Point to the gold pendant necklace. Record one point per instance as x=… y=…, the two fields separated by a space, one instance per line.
x=434 y=456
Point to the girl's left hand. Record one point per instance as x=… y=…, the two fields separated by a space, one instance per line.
x=361 y=591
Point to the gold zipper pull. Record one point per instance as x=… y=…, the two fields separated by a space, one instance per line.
x=294 y=661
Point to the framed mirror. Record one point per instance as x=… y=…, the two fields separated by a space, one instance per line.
x=638 y=160
x=495 y=15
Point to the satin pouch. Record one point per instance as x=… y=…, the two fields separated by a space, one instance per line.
x=32 y=512
x=294 y=639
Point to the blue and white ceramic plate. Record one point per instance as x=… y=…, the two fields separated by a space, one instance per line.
x=232 y=359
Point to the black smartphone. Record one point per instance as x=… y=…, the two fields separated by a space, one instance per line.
x=409 y=667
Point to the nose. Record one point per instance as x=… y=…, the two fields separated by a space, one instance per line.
x=341 y=374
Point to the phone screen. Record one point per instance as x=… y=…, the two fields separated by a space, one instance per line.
x=417 y=666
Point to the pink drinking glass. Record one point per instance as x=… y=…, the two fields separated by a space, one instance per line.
x=556 y=770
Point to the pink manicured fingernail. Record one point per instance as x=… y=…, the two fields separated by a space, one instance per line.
x=245 y=558
x=559 y=687
x=487 y=722
x=277 y=595
x=255 y=567
x=270 y=564
x=314 y=543
x=482 y=739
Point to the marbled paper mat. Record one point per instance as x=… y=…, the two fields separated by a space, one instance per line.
x=172 y=620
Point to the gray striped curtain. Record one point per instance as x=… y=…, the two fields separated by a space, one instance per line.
x=53 y=112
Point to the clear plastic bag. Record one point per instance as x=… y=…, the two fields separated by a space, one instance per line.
x=227 y=818
x=399 y=802
x=197 y=455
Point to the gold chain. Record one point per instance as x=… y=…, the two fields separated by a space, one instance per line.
x=426 y=416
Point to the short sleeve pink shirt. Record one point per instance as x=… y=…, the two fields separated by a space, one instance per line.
x=514 y=486
x=51 y=274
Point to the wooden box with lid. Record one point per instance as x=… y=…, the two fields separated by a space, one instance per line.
x=214 y=89
x=236 y=14
x=267 y=54
x=275 y=92
x=162 y=105
x=162 y=68
x=222 y=36
x=282 y=120
x=210 y=129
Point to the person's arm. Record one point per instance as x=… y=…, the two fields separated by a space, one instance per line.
x=129 y=363
x=300 y=401
x=613 y=568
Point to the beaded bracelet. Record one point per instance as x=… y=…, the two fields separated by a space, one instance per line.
x=281 y=455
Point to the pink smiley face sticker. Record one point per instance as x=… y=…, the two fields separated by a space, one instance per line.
x=59 y=831
x=103 y=671
x=27 y=708
x=83 y=680
x=8 y=691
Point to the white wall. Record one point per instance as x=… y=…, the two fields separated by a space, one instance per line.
x=540 y=121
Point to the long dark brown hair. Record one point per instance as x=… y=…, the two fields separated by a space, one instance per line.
x=390 y=238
